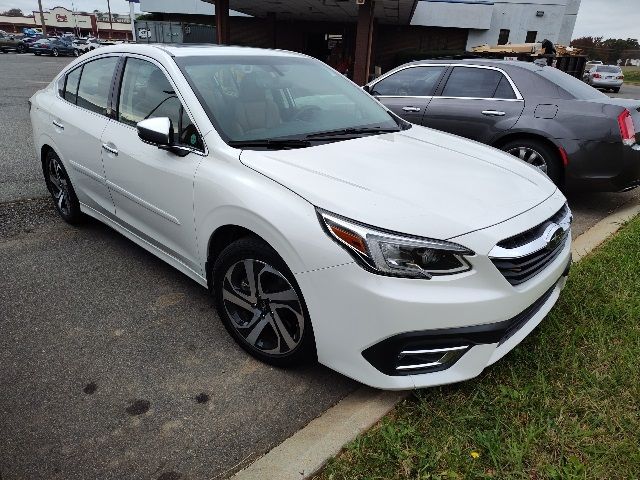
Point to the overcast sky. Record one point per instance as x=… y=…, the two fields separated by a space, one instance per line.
x=607 y=18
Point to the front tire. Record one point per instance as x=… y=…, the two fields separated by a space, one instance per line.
x=76 y=52
x=20 y=49
x=616 y=90
x=539 y=155
x=55 y=52
x=261 y=305
x=62 y=192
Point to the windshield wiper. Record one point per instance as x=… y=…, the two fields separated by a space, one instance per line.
x=271 y=143
x=351 y=131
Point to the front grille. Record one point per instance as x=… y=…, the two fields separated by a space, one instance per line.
x=535 y=232
x=523 y=256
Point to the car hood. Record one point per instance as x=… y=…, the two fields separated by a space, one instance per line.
x=419 y=181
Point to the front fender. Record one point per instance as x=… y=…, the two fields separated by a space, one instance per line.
x=226 y=192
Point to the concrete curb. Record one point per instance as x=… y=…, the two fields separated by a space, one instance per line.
x=306 y=452
x=596 y=235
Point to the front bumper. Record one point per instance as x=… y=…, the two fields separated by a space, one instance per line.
x=353 y=310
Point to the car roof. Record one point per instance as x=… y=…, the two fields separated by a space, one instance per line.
x=480 y=62
x=207 y=49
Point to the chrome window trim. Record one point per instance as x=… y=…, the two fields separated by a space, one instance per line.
x=536 y=245
x=516 y=91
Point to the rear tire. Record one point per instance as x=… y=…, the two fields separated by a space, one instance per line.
x=55 y=53
x=261 y=305
x=616 y=90
x=20 y=49
x=62 y=192
x=539 y=155
x=37 y=54
x=76 y=53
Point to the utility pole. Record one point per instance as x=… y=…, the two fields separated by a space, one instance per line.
x=110 y=20
x=44 y=27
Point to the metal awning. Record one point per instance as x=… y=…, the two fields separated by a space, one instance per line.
x=398 y=12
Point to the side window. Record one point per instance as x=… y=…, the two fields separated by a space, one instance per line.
x=71 y=86
x=477 y=83
x=146 y=93
x=411 y=82
x=95 y=83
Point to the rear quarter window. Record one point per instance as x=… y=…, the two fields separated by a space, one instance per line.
x=573 y=87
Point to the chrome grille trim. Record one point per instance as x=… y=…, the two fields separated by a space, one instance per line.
x=523 y=256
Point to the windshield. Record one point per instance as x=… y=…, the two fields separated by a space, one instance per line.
x=277 y=97
x=609 y=69
x=574 y=87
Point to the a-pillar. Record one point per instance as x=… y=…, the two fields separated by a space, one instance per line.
x=364 y=40
x=223 y=34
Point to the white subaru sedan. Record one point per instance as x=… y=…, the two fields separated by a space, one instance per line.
x=324 y=226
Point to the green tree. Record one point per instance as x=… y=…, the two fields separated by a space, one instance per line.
x=13 y=12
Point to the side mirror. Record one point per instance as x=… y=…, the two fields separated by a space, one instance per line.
x=156 y=131
x=367 y=89
x=159 y=132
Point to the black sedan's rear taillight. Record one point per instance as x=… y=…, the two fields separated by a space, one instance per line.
x=627 y=128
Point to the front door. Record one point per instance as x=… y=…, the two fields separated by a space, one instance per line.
x=407 y=92
x=152 y=189
x=476 y=102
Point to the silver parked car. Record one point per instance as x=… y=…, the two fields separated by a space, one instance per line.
x=605 y=76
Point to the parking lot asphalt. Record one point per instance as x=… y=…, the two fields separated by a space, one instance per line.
x=114 y=365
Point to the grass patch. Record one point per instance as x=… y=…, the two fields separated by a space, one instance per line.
x=631 y=75
x=565 y=404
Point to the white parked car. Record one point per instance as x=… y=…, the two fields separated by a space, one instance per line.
x=324 y=225
x=606 y=77
x=84 y=45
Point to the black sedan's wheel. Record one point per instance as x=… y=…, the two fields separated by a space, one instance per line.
x=21 y=49
x=76 y=52
x=537 y=154
x=62 y=192
x=261 y=305
x=55 y=52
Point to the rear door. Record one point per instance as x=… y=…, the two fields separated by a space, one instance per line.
x=476 y=102
x=407 y=92
x=79 y=116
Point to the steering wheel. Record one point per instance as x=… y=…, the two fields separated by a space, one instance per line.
x=307 y=113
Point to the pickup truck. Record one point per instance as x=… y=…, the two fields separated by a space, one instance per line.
x=11 y=42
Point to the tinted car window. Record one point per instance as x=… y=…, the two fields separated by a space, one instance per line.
x=95 y=83
x=71 y=86
x=477 y=83
x=574 y=87
x=608 y=69
x=413 y=82
x=147 y=93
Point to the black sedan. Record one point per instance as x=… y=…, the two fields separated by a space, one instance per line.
x=52 y=46
x=578 y=136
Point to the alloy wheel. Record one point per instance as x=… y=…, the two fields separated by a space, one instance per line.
x=530 y=156
x=263 y=306
x=59 y=186
x=55 y=52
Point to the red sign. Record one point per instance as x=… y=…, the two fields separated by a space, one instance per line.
x=61 y=18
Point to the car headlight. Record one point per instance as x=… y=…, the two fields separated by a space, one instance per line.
x=395 y=254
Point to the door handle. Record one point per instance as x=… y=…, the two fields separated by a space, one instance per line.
x=109 y=149
x=58 y=124
x=493 y=113
x=411 y=109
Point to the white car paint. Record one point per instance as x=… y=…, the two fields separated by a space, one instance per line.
x=418 y=182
